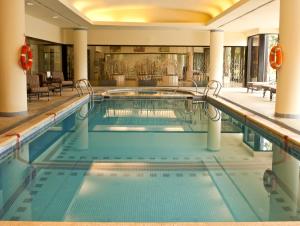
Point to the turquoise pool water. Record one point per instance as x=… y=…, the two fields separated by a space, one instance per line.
x=149 y=161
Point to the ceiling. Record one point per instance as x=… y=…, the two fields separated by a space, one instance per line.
x=150 y=11
x=229 y=15
x=264 y=17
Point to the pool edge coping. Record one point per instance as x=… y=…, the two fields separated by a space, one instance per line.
x=21 y=132
x=286 y=135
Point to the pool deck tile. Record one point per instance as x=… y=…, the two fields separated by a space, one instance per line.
x=256 y=103
x=13 y=136
x=240 y=101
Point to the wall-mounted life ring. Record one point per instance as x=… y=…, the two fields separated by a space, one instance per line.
x=26 y=57
x=275 y=57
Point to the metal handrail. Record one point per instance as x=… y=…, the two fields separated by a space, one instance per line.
x=195 y=83
x=84 y=115
x=78 y=88
x=194 y=108
x=191 y=80
x=209 y=86
x=90 y=90
x=216 y=116
x=87 y=84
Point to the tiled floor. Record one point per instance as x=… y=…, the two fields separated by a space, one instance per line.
x=256 y=103
x=36 y=107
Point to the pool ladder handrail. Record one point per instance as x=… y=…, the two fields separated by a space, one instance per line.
x=87 y=85
x=216 y=117
x=188 y=80
x=210 y=86
x=84 y=115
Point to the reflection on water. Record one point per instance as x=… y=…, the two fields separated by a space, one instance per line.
x=150 y=160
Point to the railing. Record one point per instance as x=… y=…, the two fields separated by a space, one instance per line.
x=79 y=85
x=87 y=85
x=210 y=85
x=195 y=83
x=191 y=107
x=212 y=113
x=81 y=114
x=191 y=80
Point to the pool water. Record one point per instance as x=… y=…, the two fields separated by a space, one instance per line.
x=148 y=161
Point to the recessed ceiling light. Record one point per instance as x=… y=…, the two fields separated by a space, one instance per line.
x=55 y=17
x=29 y=3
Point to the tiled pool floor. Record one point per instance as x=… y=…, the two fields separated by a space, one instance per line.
x=70 y=184
x=129 y=196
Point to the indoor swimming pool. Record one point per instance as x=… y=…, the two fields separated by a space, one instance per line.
x=150 y=160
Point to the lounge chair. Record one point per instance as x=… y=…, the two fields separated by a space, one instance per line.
x=271 y=88
x=54 y=84
x=255 y=85
x=59 y=77
x=35 y=89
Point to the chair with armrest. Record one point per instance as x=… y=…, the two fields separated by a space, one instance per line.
x=58 y=76
x=35 y=89
x=54 y=84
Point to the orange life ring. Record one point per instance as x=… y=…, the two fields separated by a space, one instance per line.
x=275 y=57
x=26 y=57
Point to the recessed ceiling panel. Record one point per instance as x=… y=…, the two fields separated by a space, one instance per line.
x=150 y=11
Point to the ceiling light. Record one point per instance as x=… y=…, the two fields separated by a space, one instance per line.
x=55 y=17
x=29 y=3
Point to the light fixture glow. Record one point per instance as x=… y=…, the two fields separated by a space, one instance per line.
x=80 y=6
x=155 y=11
x=141 y=113
x=133 y=20
x=126 y=128
x=174 y=129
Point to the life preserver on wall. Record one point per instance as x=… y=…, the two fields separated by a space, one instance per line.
x=275 y=57
x=26 y=57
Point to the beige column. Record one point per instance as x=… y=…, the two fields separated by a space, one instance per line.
x=216 y=55
x=288 y=84
x=83 y=128
x=13 y=93
x=80 y=54
x=214 y=129
x=191 y=63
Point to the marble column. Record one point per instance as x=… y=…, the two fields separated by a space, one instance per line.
x=216 y=55
x=288 y=82
x=80 y=54
x=13 y=89
x=191 y=63
x=214 y=129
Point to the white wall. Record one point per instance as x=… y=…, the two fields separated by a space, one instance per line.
x=156 y=37
x=261 y=31
x=235 y=39
x=37 y=28
x=41 y=29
